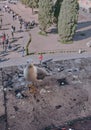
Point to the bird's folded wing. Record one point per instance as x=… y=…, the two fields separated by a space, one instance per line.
x=41 y=73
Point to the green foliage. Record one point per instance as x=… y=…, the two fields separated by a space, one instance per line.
x=30 y=3
x=43 y=33
x=57 y=8
x=33 y=3
x=25 y=2
x=67 y=21
x=45 y=14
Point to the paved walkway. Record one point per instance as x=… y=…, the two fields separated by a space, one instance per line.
x=35 y=58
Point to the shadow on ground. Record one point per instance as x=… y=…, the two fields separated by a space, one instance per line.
x=83 y=24
x=3 y=60
x=81 y=35
x=4 y=29
x=53 y=30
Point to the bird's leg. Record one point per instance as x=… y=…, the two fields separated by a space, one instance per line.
x=32 y=88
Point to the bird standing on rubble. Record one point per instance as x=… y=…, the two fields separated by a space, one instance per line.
x=35 y=75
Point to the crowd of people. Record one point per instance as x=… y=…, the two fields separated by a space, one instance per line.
x=15 y=16
x=23 y=26
x=5 y=42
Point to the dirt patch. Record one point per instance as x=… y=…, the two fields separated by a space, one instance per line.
x=64 y=96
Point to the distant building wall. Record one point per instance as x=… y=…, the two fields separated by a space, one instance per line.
x=85 y=5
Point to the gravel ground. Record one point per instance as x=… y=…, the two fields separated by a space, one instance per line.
x=61 y=99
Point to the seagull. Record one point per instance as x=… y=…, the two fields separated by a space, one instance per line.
x=33 y=73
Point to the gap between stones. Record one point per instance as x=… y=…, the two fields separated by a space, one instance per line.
x=5 y=101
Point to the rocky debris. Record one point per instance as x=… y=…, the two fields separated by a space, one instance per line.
x=19 y=95
x=61 y=97
x=88 y=44
x=62 y=81
x=2 y=122
x=2 y=105
x=2 y=109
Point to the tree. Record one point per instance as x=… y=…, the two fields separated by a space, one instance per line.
x=67 y=21
x=26 y=2
x=33 y=4
x=45 y=14
x=57 y=8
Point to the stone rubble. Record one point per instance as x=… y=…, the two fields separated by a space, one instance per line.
x=65 y=95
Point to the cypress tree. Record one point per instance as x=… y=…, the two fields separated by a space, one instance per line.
x=67 y=21
x=57 y=8
x=45 y=14
x=26 y=2
x=33 y=3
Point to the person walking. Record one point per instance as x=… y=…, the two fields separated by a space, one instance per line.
x=23 y=52
x=12 y=31
x=20 y=27
x=13 y=17
x=6 y=44
x=1 y=21
x=9 y=44
x=25 y=25
x=3 y=40
x=7 y=36
x=40 y=58
x=7 y=41
x=14 y=28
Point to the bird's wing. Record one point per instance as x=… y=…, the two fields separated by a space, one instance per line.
x=41 y=73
